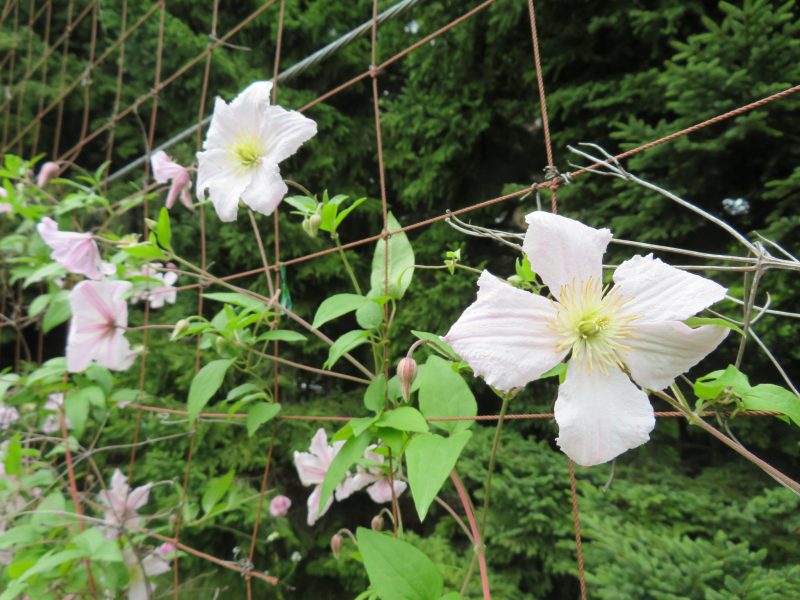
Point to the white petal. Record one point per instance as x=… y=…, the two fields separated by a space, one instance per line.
x=313 y=505
x=164 y=168
x=319 y=443
x=224 y=128
x=284 y=131
x=659 y=352
x=353 y=484
x=266 y=189
x=504 y=335
x=600 y=416
x=309 y=468
x=381 y=491
x=563 y=250
x=225 y=180
x=256 y=94
x=659 y=292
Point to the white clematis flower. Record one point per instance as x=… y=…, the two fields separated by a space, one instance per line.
x=246 y=140
x=634 y=330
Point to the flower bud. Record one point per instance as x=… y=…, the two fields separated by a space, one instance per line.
x=180 y=327
x=311 y=225
x=46 y=173
x=516 y=281
x=336 y=545
x=377 y=523
x=279 y=506
x=406 y=371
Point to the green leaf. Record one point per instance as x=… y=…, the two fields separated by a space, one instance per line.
x=559 y=370
x=93 y=545
x=216 y=490
x=260 y=413
x=444 y=393
x=328 y=222
x=401 y=262
x=695 y=322
x=77 y=404
x=336 y=306
x=145 y=250
x=163 y=230
x=396 y=569
x=370 y=314
x=236 y=299
x=342 y=214
x=375 y=396
x=49 y=271
x=304 y=204
x=430 y=458
x=357 y=426
x=205 y=384
x=6 y=381
x=282 y=335
x=13 y=462
x=767 y=396
x=405 y=418
x=38 y=305
x=712 y=385
x=58 y=312
x=343 y=345
x=352 y=451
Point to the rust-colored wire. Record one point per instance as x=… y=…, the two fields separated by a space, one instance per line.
x=62 y=77
x=13 y=59
x=177 y=74
x=118 y=85
x=576 y=521
x=24 y=83
x=43 y=80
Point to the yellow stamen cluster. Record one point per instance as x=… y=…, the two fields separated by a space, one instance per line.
x=249 y=153
x=589 y=322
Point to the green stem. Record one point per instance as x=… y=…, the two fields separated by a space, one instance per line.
x=347 y=266
x=297 y=186
x=492 y=460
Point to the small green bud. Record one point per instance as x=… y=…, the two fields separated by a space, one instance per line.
x=311 y=225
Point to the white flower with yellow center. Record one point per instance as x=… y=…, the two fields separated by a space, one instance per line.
x=632 y=331
x=246 y=140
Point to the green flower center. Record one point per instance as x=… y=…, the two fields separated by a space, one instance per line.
x=248 y=153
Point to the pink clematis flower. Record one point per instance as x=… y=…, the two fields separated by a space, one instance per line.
x=121 y=503
x=52 y=423
x=4 y=206
x=246 y=140
x=312 y=468
x=164 y=170
x=8 y=416
x=618 y=341
x=46 y=173
x=279 y=506
x=77 y=252
x=97 y=328
x=375 y=479
x=155 y=563
x=158 y=294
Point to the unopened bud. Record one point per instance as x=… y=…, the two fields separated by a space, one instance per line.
x=180 y=327
x=336 y=545
x=311 y=225
x=406 y=371
x=516 y=281
x=46 y=173
x=377 y=523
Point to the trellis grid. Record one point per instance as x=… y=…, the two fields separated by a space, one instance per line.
x=26 y=138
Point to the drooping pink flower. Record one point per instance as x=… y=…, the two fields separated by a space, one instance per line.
x=159 y=293
x=164 y=170
x=511 y=337
x=375 y=479
x=97 y=328
x=312 y=467
x=246 y=140
x=8 y=416
x=279 y=506
x=52 y=422
x=155 y=563
x=77 y=252
x=46 y=173
x=121 y=503
x=4 y=206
